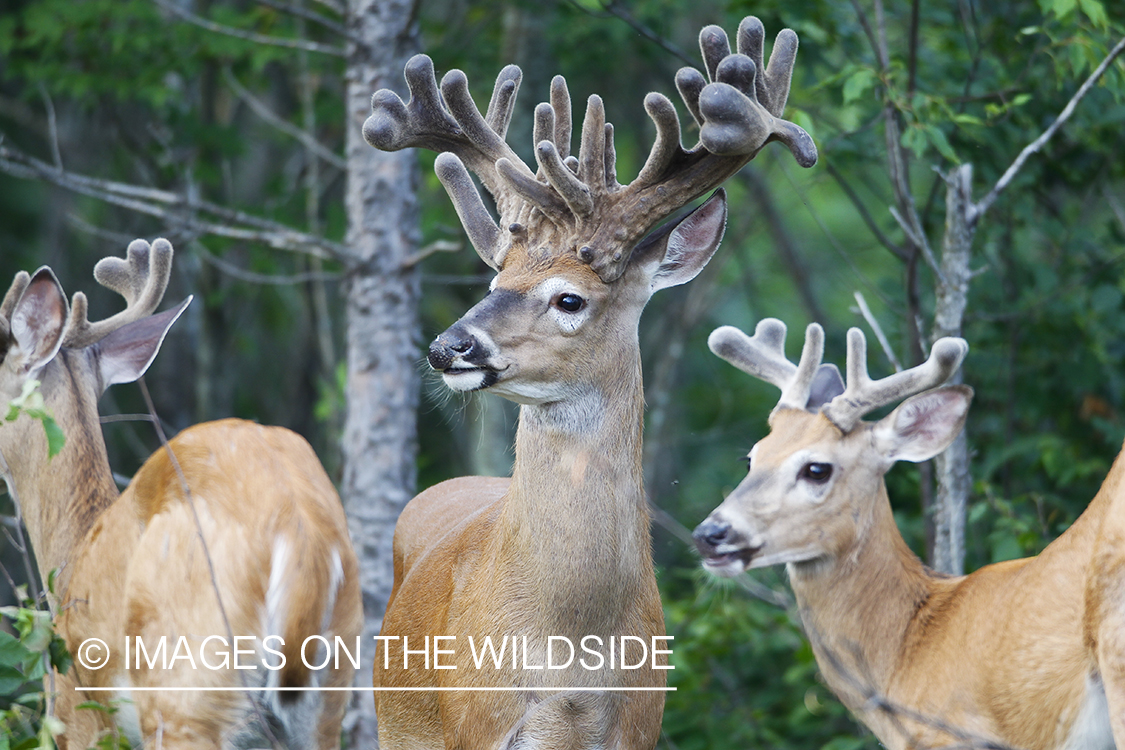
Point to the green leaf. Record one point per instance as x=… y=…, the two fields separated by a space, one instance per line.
x=60 y=655
x=13 y=653
x=96 y=706
x=966 y=119
x=1063 y=7
x=29 y=399
x=938 y=140
x=55 y=437
x=914 y=138
x=11 y=679
x=858 y=84
x=1095 y=11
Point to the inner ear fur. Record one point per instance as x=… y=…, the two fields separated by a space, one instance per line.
x=676 y=252
x=38 y=321
x=924 y=425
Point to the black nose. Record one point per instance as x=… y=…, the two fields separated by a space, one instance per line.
x=453 y=343
x=710 y=534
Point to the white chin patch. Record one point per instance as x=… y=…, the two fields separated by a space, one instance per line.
x=463 y=380
x=724 y=567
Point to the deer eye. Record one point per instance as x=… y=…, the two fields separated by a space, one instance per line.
x=816 y=472
x=570 y=303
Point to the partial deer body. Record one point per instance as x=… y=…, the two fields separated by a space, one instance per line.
x=1025 y=654
x=562 y=549
x=133 y=566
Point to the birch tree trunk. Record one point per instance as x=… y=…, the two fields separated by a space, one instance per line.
x=382 y=294
x=952 y=466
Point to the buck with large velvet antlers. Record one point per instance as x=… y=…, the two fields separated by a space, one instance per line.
x=225 y=553
x=562 y=549
x=1024 y=654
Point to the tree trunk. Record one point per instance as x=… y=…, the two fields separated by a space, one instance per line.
x=952 y=466
x=380 y=429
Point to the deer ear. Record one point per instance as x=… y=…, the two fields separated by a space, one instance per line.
x=37 y=322
x=678 y=251
x=826 y=385
x=923 y=425
x=125 y=355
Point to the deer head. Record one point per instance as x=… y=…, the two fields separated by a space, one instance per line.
x=568 y=245
x=814 y=480
x=35 y=321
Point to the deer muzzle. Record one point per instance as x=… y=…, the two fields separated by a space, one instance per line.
x=724 y=549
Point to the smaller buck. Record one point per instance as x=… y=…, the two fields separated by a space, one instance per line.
x=1025 y=653
x=133 y=570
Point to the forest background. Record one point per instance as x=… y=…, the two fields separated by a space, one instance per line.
x=322 y=268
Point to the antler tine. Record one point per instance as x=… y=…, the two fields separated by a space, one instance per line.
x=796 y=393
x=447 y=120
x=141 y=278
x=15 y=291
x=734 y=126
x=806 y=385
x=560 y=105
x=762 y=355
x=742 y=107
x=483 y=232
x=772 y=87
x=577 y=203
x=864 y=395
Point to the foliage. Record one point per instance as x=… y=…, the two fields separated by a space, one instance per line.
x=26 y=658
x=30 y=402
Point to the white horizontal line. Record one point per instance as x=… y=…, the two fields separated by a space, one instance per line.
x=375 y=689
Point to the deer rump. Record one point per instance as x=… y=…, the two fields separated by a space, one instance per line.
x=278 y=570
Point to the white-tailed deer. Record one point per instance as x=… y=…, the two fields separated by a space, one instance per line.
x=1024 y=654
x=134 y=567
x=560 y=554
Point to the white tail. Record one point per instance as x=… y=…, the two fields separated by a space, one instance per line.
x=1026 y=653
x=133 y=570
x=555 y=562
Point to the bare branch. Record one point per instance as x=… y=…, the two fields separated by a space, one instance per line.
x=52 y=126
x=917 y=236
x=865 y=311
x=177 y=210
x=864 y=214
x=986 y=202
x=837 y=245
x=333 y=6
x=881 y=30
x=1115 y=206
x=334 y=26
x=438 y=246
x=113 y=238
x=747 y=583
x=20 y=542
x=866 y=25
x=616 y=9
x=261 y=110
x=262 y=278
x=249 y=36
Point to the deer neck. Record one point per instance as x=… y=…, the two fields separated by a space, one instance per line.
x=62 y=497
x=575 y=521
x=857 y=606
